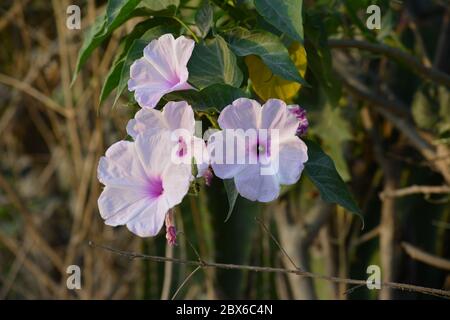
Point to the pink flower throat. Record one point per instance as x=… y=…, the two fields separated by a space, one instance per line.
x=154 y=187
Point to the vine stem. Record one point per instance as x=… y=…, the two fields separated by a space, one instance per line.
x=187 y=28
x=203 y=264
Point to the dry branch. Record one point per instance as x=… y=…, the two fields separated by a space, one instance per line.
x=427 y=190
x=425 y=257
x=396 y=54
x=204 y=264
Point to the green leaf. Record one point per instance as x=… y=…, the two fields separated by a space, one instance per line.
x=425 y=107
x=322 y=172
x=334 y=130
x=232 y=196
x=213 y=62
x=285 y=15
x=166 y=7
x=267 y=46
x=204 y=18
x=117 y=12
x=136 y=51
x=112 y=80
x=216 y=96
x=319 y=58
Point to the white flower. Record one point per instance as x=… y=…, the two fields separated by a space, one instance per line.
x=264 y=137
x=178 y=118
x=161 y=70
x=141 y=184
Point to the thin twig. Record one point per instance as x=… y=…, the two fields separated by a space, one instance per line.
x=394 y=53
x=185 y=281
x=276 y=242
x=425 y=257
x=394 y=285
x=26 y=88
x=427 y=190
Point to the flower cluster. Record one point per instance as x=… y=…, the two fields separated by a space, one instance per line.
x=147 y=177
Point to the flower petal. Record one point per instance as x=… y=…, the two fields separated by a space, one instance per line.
x=179 y=115
x=144 y=120
x=176 y=180
x=276 y=115
x=251 y=184
x=223 y=153
x=183 y=49
x=150 y=221
x=120 y=166
x=293 y=154
x=119 y=205
x=154 y=149
x=149 y=97
x=242 y=114
x=160 y=54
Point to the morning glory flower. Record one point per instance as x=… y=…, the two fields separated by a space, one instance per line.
x=141 y=183
x=178 y=118
x=258 y=148
x=161 y=70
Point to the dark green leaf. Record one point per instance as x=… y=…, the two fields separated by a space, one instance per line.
x=319 y=58
x=167 y=7
x=322 y=172
x=213 y=62
x=112 y=80
x=267 y=46
x=285 y=15
x=204 y=17
x=216 y=96
x=117 y=12
x=334 y=130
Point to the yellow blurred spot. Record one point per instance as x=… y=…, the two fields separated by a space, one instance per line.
x=267 y=85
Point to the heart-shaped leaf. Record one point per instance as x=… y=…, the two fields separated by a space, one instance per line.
x=213 y=62
x=321 y=170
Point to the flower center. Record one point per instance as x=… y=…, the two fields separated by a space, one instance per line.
x=155 y=187
x=263 y=147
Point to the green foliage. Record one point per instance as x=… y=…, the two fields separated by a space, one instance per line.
x=267 y=46
x=286 y=15
x=161 y=7
x=204 y=17
x=216 y=96
x=322 y=171
x=217 y=74
x=213 y=62
x=117 y=12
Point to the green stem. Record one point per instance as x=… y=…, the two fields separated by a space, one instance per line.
x=187 y=27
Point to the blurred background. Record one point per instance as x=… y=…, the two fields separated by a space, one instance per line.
x=383 y=118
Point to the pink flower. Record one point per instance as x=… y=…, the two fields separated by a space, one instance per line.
x=141 y=184
x=178 y=118
x=258 y=148
x=161 y=70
